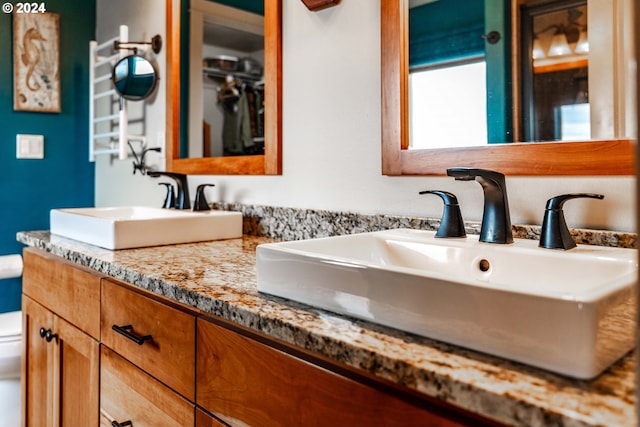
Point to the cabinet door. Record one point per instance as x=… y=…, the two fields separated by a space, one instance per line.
x=60 y=371
x=245 y=382
x=128 y=394
x=76 y=358
x=37 y=366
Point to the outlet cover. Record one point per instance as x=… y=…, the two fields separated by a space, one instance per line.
x=29 y=146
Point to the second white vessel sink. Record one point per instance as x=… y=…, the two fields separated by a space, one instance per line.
x=572 y=312
x=133 y=227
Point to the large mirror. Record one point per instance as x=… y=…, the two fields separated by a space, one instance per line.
x=610 y=152
x=225 y=118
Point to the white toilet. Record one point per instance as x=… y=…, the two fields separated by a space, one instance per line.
x=10 y=361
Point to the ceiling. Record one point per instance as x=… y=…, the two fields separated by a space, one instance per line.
x=232 y=38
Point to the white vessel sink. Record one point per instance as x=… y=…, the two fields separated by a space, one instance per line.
x=571 y=312
x=133 y=227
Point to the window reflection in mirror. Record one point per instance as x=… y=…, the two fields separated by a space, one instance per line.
x=449 y=37
x=226 y=95
x=439 y=97
x=447 y=74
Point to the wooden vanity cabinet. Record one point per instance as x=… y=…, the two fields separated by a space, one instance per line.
x=205 y=420
x=165 y=364
x=79 y=371
x=128 y=394
x=246 y=382
x=60 y=363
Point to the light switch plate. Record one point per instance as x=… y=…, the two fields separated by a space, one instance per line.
x=29 y=146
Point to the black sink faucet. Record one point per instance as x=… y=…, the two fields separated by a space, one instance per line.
x=554 y=233
x=451 y=224
x=496 y=219
x=182 y=198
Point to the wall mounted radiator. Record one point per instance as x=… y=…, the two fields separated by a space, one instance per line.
x=108 y=126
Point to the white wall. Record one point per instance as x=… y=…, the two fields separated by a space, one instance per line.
x=331 y=138
x=115 y=184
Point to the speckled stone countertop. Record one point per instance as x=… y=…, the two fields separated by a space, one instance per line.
x=220 y=278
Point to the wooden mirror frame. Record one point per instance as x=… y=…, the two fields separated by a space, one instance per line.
x=613 y=157
x=268 y=164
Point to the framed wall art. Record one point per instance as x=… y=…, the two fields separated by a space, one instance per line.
x=36 y=62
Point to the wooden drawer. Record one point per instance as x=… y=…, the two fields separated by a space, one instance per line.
x=169 y=352
x=129 y=394
x=205 y=420
x=70 y=291
x=245 y=382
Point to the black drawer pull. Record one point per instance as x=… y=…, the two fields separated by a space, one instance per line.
x=114 y=423
x=47 y=335
x=126 y=331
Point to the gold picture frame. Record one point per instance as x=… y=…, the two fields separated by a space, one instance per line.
x=36 y=62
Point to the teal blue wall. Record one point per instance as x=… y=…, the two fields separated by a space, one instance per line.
x=446 y=30
x=252 y=6
x=65 y=177
x=499 y=74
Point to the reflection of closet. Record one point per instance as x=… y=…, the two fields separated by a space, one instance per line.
x=240 y=101
x=226 y=114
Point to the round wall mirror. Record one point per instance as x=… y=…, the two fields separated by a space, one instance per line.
x=134 y=77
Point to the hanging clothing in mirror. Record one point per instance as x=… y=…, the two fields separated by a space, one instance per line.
x=242 y=126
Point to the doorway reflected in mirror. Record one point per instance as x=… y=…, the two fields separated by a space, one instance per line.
x=226 y=93
x=555 y=71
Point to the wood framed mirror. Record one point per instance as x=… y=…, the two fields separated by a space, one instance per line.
x=596 y=157
x=268 y=164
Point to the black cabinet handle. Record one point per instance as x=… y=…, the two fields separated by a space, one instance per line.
x=50 y=336
x=114 y=423
x=47 y=334
x=127 y=332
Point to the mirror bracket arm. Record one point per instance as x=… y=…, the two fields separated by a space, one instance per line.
x=155 y=43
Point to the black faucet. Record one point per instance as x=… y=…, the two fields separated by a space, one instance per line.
x=451 y=224
x=496 y=219
x=170 y=199
x=200 y=202
x=182 y=198
x=555 y=233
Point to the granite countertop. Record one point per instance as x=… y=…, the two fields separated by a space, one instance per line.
x=220 y=278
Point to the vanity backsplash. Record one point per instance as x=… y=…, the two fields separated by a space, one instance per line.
x=296 y=224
